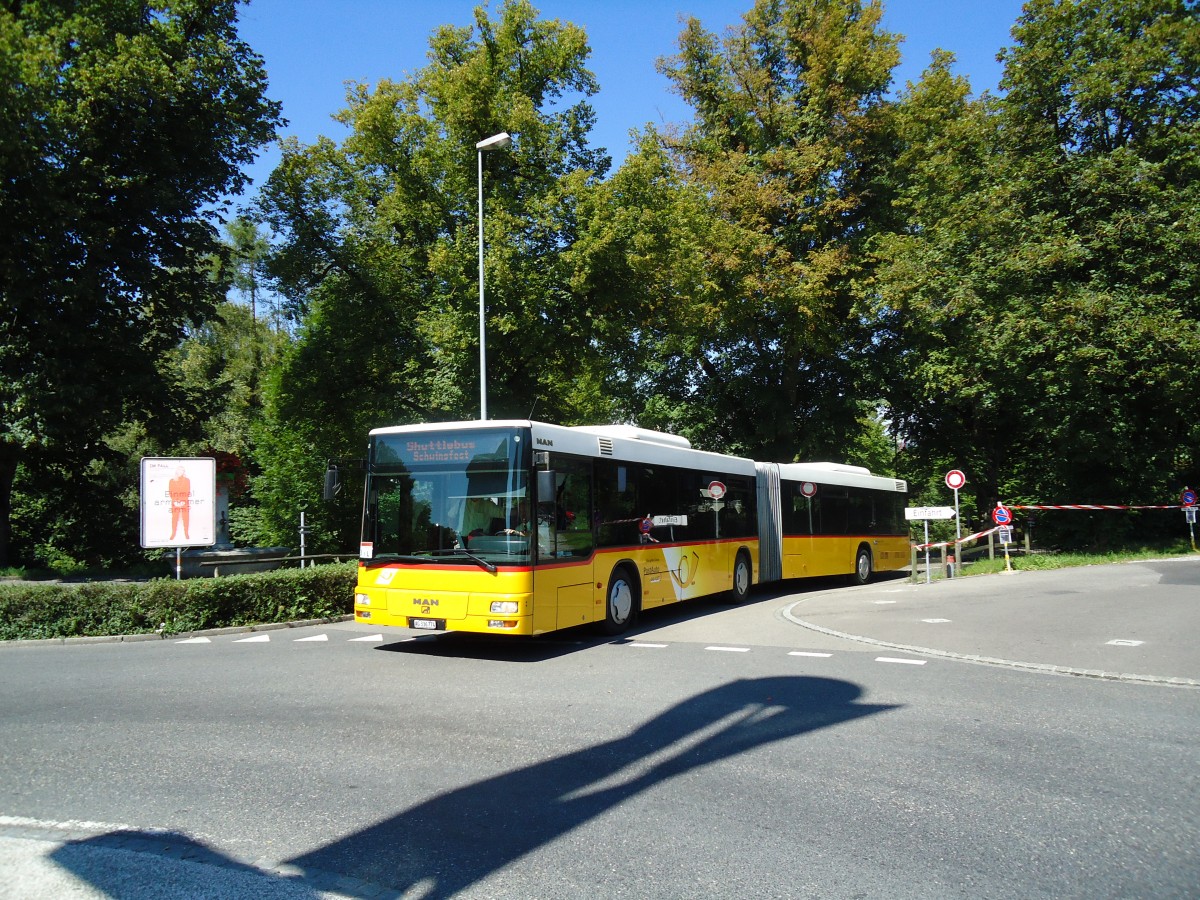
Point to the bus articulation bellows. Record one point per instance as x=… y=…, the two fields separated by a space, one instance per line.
x=520 y=527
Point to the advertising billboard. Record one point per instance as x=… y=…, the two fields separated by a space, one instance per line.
x=179 y=507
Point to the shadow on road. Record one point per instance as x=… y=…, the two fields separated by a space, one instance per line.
x=457 y=839
x=507 y=648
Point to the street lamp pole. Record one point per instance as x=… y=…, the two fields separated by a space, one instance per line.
x=495 y=142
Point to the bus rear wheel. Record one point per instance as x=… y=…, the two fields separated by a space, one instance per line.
x=743 y=574
x=620 y=605
x=862 y=565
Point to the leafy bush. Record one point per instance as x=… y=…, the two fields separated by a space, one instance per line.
x=29 y=611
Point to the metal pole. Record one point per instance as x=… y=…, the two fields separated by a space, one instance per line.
x=927 y=551
x=957 y=564
x=495 y=142
x=178 y=563
x=482 y=329
x=303 y=531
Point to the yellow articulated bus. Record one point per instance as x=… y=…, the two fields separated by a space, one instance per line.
x=520 y=527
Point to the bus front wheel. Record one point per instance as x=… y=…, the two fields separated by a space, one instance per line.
x=620 y=605
x=862 y=565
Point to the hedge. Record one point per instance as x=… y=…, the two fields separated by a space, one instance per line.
x=30 y=611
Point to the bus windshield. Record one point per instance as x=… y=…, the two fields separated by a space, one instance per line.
x=458 y=497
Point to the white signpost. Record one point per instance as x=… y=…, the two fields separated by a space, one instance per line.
x=179 y=507
x=925 y=513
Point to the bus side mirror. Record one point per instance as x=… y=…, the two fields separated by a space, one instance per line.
x=333 y=482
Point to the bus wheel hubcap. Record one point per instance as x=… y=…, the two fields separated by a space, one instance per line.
x=620 y=601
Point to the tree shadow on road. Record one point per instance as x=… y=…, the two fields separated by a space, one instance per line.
x=458 y=838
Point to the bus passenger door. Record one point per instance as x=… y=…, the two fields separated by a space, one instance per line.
x=566 y=541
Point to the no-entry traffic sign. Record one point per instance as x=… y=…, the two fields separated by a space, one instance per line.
x=955 y=479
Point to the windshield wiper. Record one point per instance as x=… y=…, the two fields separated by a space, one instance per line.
x=396 y=557
x=459 y=551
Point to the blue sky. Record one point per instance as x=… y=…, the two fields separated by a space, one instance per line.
x=312 y=47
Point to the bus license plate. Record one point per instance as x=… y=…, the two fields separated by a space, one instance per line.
x=428 y=624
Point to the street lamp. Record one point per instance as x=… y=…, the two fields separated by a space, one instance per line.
x=495 y=142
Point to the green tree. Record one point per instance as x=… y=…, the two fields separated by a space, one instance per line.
x=789 y=148
x=246 y=263
x=1040 y=302
x=121 y=123
x=377 y=249
x=220 y=366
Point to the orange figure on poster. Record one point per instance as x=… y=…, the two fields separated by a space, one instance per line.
x=180 y=490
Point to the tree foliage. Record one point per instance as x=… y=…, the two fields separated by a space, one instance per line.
x=377 y=254
x=810 y=268
x=1038 y=308
x=120 y=121
x=788 y=149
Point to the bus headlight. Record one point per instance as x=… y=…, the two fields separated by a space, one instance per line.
x=505 y=607
x=362 y=600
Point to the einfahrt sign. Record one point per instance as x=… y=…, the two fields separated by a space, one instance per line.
x=920 y=513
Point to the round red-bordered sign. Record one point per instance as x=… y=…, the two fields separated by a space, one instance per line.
x=1188 y=497
x=808 y=489
x=1002 y=515
x=716 y=490
x=955 y=479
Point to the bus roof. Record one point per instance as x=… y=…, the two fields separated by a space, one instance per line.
x=620 y=442
x=836 y=473
x=628 y=442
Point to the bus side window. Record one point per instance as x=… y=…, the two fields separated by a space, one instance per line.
x=616 y=504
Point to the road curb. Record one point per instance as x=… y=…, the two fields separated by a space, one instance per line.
x=991 y=660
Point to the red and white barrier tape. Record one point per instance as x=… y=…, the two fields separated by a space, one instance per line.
x=964 y=540
x=1092 y=506
x=980 y=534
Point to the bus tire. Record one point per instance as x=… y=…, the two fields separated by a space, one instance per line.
x=620 y=601
x=743 y=576
x=862 y=565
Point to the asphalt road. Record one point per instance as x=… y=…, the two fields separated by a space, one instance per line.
x=715 y=752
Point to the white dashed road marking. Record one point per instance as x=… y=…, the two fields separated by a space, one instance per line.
x=646 y=645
